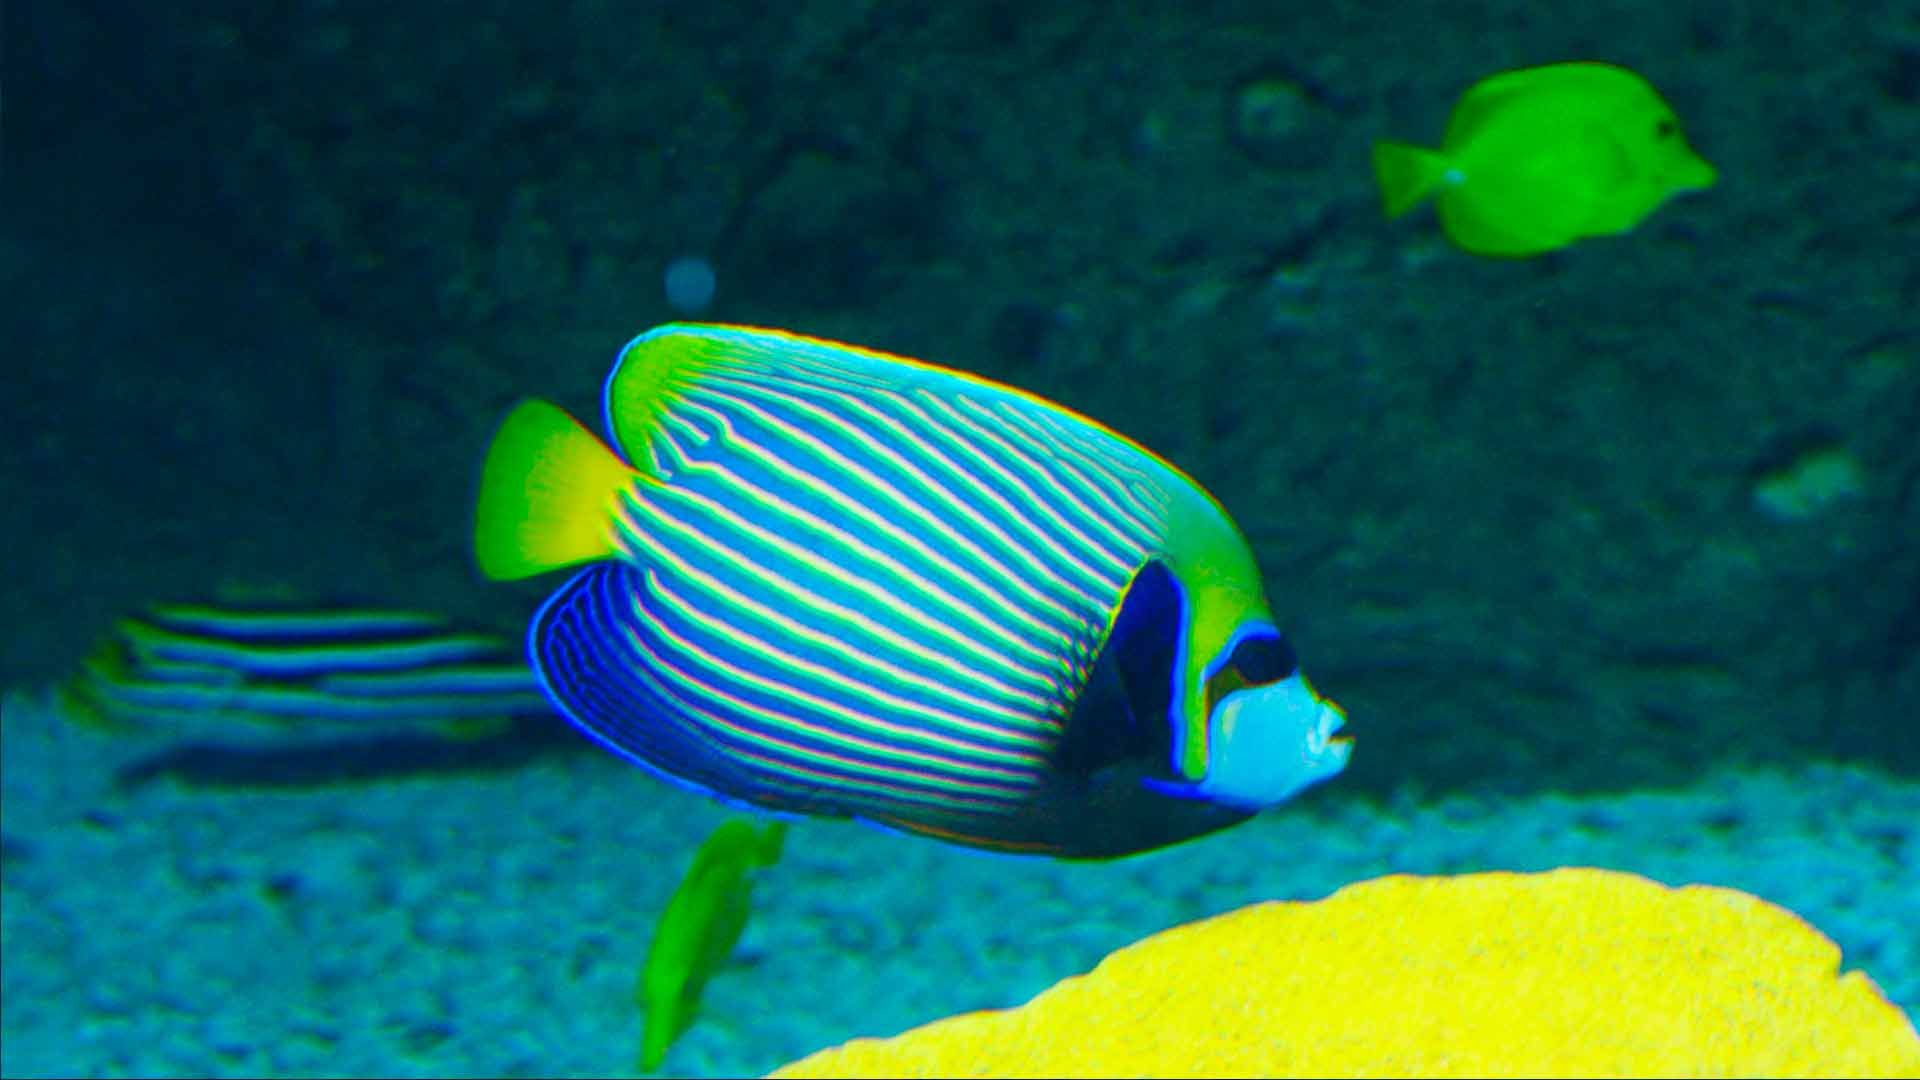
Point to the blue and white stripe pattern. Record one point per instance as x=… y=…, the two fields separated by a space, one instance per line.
x=180 y=662
x=850 y=586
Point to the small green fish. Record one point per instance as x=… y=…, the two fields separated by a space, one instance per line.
x=1537 y=158
x=702 y=923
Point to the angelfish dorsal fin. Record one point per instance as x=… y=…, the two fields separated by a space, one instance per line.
x=653 y=368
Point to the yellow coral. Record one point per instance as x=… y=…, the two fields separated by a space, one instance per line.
x=1574 y=972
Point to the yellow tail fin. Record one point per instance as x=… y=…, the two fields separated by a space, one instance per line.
x=1406 y=174
x=547 y=495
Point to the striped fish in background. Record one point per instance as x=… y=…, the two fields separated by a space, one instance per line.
x=188 y=661
x=826 y=580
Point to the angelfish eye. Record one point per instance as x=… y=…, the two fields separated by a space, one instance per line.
x=1256 y=661
x=1261 y=660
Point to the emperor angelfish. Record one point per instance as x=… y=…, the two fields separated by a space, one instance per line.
x=826 y=580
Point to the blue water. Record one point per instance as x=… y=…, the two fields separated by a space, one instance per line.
x=1609 y=554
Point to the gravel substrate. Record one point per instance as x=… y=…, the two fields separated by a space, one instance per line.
x=493 y=923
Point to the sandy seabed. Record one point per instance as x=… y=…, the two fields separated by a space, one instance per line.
x=493 y=924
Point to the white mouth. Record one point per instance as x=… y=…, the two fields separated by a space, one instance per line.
x=1321 y=741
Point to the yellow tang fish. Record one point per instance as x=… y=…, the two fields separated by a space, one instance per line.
x=1537 y=158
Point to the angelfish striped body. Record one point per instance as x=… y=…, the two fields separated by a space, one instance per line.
x=835 y=582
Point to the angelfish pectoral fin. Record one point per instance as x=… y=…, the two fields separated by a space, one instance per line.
x=1174 y=789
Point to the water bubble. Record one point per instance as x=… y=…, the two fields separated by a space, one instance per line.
x=689 y=284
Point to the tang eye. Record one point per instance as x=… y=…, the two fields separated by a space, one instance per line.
x=1665 y=129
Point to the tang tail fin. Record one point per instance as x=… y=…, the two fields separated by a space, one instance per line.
x=1406 y=173
x=547 y=494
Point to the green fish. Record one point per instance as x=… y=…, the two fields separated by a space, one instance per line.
x=1538 y=158
x=699 y=928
